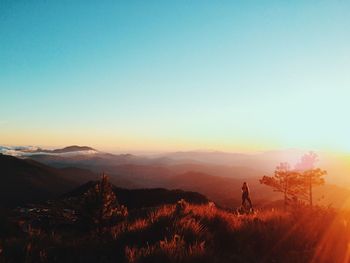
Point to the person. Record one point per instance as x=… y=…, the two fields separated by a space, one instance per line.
x=245 y=195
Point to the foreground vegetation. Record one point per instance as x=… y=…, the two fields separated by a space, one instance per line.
x=191 y=233
x=91 y=226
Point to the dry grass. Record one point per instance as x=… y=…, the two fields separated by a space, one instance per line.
x=197 y=233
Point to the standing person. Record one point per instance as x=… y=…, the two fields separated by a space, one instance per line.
x=245 y=195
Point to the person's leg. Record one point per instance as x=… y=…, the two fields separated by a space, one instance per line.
x=250 y=202
x=243 y=199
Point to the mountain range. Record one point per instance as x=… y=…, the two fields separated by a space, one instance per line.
x=25 y=180
x=47 y=173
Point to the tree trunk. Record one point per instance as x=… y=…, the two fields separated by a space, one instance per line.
x=310 y=190
x=285 y=199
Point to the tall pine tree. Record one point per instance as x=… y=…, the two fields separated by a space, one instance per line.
x=100 y=207
x=285 y=181
x=310 y=175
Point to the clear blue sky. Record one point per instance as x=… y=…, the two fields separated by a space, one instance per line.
x=170 y=75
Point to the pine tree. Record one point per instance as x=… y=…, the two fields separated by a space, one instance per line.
x=285 y=181
x=312 y=178
x=100 y=207
x=310 y=175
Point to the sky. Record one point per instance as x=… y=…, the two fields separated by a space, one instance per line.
x=175 y=75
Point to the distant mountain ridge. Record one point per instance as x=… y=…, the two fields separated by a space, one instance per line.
x=72 y=148
x=226 y=171
x=262 y=162
x=25 y=180
x=29 y=151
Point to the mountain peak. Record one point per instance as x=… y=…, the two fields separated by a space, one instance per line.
x=74 y=148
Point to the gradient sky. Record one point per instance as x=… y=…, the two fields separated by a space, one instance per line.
x=176 y=75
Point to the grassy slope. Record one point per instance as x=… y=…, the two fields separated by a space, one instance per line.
x=195 y=233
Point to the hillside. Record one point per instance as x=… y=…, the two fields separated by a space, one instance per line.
x=225 y=191
x=141 y=198
x=192 y=233
x=160 y=225
x=24 y=181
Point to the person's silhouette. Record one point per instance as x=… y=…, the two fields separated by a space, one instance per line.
x=245 y=195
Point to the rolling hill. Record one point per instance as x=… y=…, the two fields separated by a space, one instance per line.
x=24 y=181
x=141 y=198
